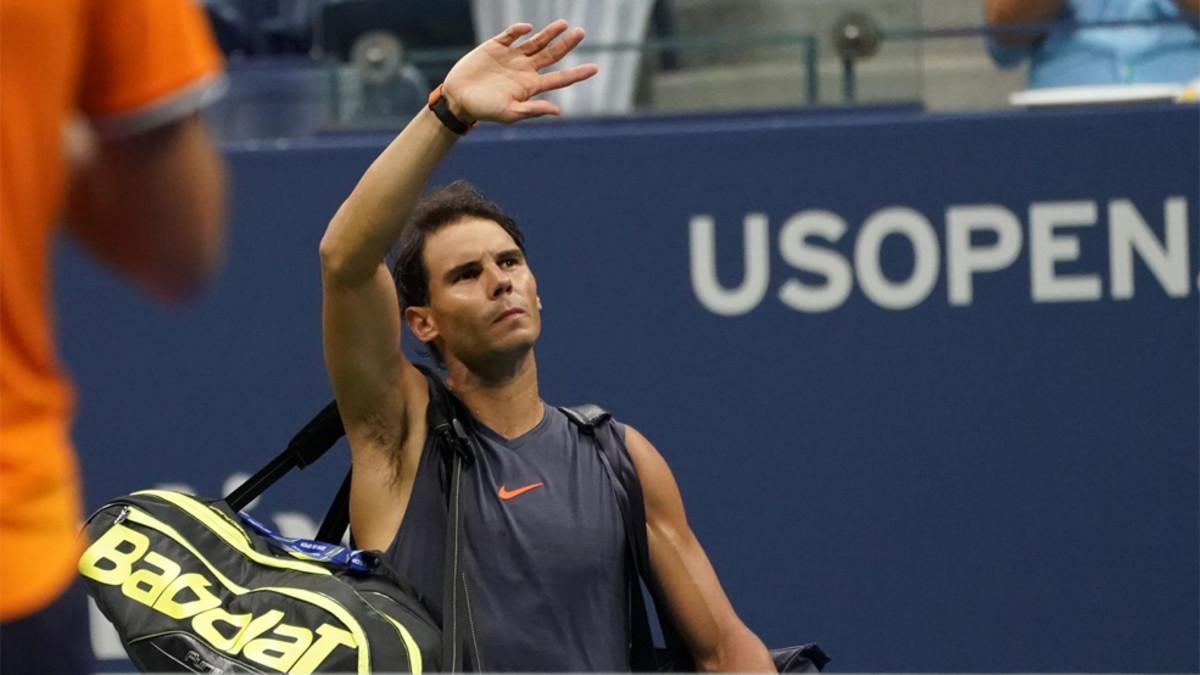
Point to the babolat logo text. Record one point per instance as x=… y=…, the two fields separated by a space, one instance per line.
x=122 y=557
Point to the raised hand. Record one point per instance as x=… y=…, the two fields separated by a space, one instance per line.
x=497 y=80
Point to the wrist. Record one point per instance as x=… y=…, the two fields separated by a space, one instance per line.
x=455 y=108
x=439 y=104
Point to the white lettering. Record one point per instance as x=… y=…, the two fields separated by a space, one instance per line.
x=1128 y=231
x=914 y=227
x=1047 y=248
x=978 y=238
x=839 y=280
x=708 y=289
x=963 y=259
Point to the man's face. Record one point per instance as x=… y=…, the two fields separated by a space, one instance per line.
x=483 y=300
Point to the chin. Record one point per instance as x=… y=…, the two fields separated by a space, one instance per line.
x=514 y=345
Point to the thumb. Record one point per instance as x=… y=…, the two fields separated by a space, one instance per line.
x=535 y=108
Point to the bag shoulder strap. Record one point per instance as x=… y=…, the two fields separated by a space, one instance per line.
x=595 y=422
x=308 y=445
x=460 y=647
x=588 y=415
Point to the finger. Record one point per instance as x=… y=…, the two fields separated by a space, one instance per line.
x=535 y=108
x=538 y=42
x=513 y=32
x=563 y=78
x=554 y=52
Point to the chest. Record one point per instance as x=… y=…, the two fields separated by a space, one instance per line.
x=546 y=508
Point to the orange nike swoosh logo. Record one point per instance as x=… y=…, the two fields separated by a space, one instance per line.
x=509 y=494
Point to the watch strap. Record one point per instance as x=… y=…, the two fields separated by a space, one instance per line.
x=441 y=109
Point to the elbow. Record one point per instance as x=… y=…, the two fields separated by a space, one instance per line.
x=340 y=263
x=333 y=259
x=718 y=662
x=714 y=657
x=738 y=650
x=181 y=278
x=707 y=663
x=329 y=252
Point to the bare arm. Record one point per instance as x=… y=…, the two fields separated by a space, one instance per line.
x=152 y=206
x=1005 y=12
x=717 y=638
x=1192 y=6
x=379 y=393
x=381 y=396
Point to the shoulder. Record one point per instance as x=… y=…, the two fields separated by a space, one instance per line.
x=652 y=470
x=634 y=440
x=591 y=418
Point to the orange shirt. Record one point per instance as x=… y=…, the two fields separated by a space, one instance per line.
x=128 y=65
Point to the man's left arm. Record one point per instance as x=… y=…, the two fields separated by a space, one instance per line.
x=716 y=637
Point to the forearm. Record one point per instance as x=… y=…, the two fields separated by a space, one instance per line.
x=372 y=217
x=716 y=638
x=1007 y=12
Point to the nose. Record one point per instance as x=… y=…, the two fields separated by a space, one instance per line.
x=502 y=284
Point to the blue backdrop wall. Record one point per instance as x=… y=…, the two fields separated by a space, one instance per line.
x=929 y=383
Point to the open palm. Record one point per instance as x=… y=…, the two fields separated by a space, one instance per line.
x=497 y=80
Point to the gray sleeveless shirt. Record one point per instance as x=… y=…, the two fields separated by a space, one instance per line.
x=544 y=549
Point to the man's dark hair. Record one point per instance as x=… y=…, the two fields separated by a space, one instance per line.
x=444 y=206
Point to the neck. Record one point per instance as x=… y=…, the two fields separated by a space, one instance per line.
x=504 y=398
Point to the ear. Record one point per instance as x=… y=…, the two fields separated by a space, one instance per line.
x=420 y=321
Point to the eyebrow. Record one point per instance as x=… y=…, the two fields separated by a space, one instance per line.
x=473 y=265
x=455 y=271
x=510 y=253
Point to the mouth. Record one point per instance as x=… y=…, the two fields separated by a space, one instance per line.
x=508 y=313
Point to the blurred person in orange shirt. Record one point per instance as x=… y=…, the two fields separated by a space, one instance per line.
x=138 y=182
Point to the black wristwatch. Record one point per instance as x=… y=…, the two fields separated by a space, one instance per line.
x=441 y=108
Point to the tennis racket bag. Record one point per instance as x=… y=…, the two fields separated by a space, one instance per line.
x=195 y=586
x=190 y=586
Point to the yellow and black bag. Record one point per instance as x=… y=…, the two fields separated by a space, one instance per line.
x=190 y=588
x=195 y=586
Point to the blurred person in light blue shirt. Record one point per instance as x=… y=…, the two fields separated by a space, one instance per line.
x=1167 y=52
